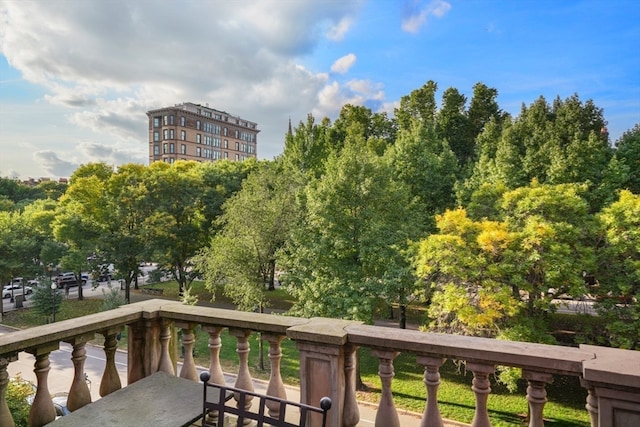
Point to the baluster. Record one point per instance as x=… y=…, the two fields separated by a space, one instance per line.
x=481 y=387
x=276 y=386
x=592 y=403
x=351 y=412
x=42 y=410
x=243 y=381
x=431 y=416
x=110 y=381
x=387 y=415
x=6 y=419
x=215 y=370
x=536 y=395
x=79 y=394
x=165 y=364
x=188 y=370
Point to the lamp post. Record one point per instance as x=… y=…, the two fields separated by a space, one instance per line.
x=53 y=300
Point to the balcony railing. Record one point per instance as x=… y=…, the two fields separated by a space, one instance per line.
x=327 y=361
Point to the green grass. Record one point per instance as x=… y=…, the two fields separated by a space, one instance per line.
x=457 y=401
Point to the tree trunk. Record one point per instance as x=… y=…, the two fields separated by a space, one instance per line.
x=79 y=280
x=403 y=316
x=272 y=275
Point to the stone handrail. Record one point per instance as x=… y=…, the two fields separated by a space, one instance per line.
x=327 y=361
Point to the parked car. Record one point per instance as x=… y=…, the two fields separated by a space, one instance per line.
x=68 y=280
x=60 y=404
x=15 y=289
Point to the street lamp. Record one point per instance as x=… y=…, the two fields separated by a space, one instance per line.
x=53 y=300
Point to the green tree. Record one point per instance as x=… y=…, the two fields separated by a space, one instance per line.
x=452 y=125
x=420 y=105
x=124 y=242
x=47 y=301
x=255 y=224
x=628 y=152
x=307 y=147
x=345 y=256
x=619 y=270
x=81 y=216
x=176 y=228
x=428 y=168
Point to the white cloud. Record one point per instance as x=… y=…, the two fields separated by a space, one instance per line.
x=343 y=64
x=337 y=32
x=416 y=16
x=104 y=64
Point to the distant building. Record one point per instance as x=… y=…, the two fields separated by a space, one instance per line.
x=194 y=132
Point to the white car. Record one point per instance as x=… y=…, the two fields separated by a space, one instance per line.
x=15 y=289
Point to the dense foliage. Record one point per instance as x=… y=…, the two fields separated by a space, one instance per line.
x=484 y=216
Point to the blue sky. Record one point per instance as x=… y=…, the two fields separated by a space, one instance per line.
x=77 y=76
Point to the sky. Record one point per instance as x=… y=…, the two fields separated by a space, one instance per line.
x=78 y=76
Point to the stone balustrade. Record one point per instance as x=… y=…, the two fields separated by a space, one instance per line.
x=327 y=361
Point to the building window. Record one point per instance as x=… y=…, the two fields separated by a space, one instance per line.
x=198 y=152
x=171 y=122
x=198 y=124
x=164 y=148
x=156 y=122
x=225 y=132
x=226 y=143
x=216 y=142
x=172 y=148
x=182 y=121
x=226 y=154
x=237 y=158
x=165 y=134
x=171 y=134
x=156 y=150
x=183 y=135
x=236 y=133
x=156 y=135
x=183 y=149
x=199 y=138
x=237 y=146
x=166 y=120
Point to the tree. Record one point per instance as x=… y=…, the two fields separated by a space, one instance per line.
x=307 y=148
x=628 y=152
x=345 y=255
x=428 y=167
x=619 y=270
x=176 y=228
x=47 y=301
x=492 y=275
x=124 y=240
x=452 y=125
x=419 y=105
x=255 y=224
x=81 y=217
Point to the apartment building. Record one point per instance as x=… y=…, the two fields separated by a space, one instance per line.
x=195 y=132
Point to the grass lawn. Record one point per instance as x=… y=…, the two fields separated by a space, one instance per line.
x=457 y=401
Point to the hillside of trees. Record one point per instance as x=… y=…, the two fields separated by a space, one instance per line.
x=482 y=217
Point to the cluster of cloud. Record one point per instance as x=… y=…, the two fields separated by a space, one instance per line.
x=110 y=62
x=417 y=12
